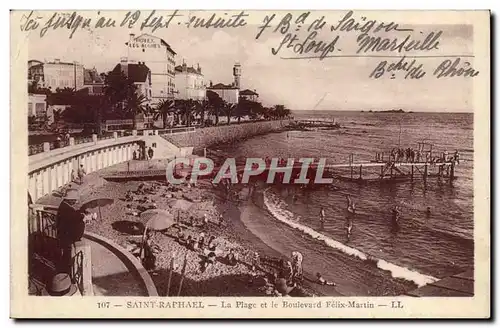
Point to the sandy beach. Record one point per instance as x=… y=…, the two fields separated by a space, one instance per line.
x=121 y=222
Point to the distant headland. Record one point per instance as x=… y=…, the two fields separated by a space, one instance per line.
x=387 y=111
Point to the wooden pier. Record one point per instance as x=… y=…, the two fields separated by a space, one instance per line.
x=383 y=169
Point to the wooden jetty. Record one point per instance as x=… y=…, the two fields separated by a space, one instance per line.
x=383 y=169
x=461 y=285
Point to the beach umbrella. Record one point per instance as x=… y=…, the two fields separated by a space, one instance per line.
x=180 y=204
x=97 y=203
x=158 y=220
x=149 y=214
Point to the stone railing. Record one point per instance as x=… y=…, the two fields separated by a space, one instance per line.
x=49 y=146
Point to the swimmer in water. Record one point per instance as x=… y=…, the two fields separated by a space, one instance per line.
x=428 y=211
x=395 y=215
x=322 y=218
x=351 y=211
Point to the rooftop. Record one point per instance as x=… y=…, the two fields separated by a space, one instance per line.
x=190 y=69
x=222 y=86
x=248 y=92
x=136 y=72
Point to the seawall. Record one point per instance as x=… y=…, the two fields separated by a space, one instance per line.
x=221 y=134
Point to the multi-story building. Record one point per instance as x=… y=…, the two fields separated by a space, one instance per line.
x=93 y=82
x=190 y=82
x=56 y=75
x=140 y=74
x=160 y=58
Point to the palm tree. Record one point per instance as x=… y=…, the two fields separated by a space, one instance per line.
x=163 y=108
x=134 y=105
x=186 y=108
x=228 y=109
x=202 y=106
x=215 y=104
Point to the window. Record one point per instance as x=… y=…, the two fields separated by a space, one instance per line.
x=153 y=145
x=30 y=109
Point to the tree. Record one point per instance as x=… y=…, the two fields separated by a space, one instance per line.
x=202 y=107
x=215 y=104
x=186 y=108
x=228 y=109
x=280 y=111
x=135 y=104
x=118 y=89
x=163 y=108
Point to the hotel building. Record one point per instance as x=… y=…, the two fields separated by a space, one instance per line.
x=159 y=57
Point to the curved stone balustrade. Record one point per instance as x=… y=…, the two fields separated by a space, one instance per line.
x=52 y=168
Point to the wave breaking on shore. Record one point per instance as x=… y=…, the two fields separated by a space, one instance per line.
x=274 y=206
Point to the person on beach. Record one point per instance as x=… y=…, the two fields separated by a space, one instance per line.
x=456 y=157
x=322 y=281
x=201 y=240
x=221 y=220
x=205 y=220
x=209 y=254
x=195 y=245
x=74 y=176
x=150 y=153
x=81 y=173
x=322 y=217
x=189 y=242
x=255 y=262
x=231 y=258
x=191 y=221
x=181 y=237
x=297 y=266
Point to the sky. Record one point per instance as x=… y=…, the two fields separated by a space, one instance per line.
x=342 y=83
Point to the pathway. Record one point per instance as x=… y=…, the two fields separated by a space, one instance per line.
x=110 y=276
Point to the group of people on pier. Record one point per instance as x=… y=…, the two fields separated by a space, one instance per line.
x=411 y=155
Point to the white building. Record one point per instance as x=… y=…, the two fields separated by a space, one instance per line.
x=230 y=93
x=160 y=58
x=56 y=75
x=190 y=82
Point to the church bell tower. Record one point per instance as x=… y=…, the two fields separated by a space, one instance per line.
x=237 y=74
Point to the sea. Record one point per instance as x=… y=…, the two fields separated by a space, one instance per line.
x=424 y=249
